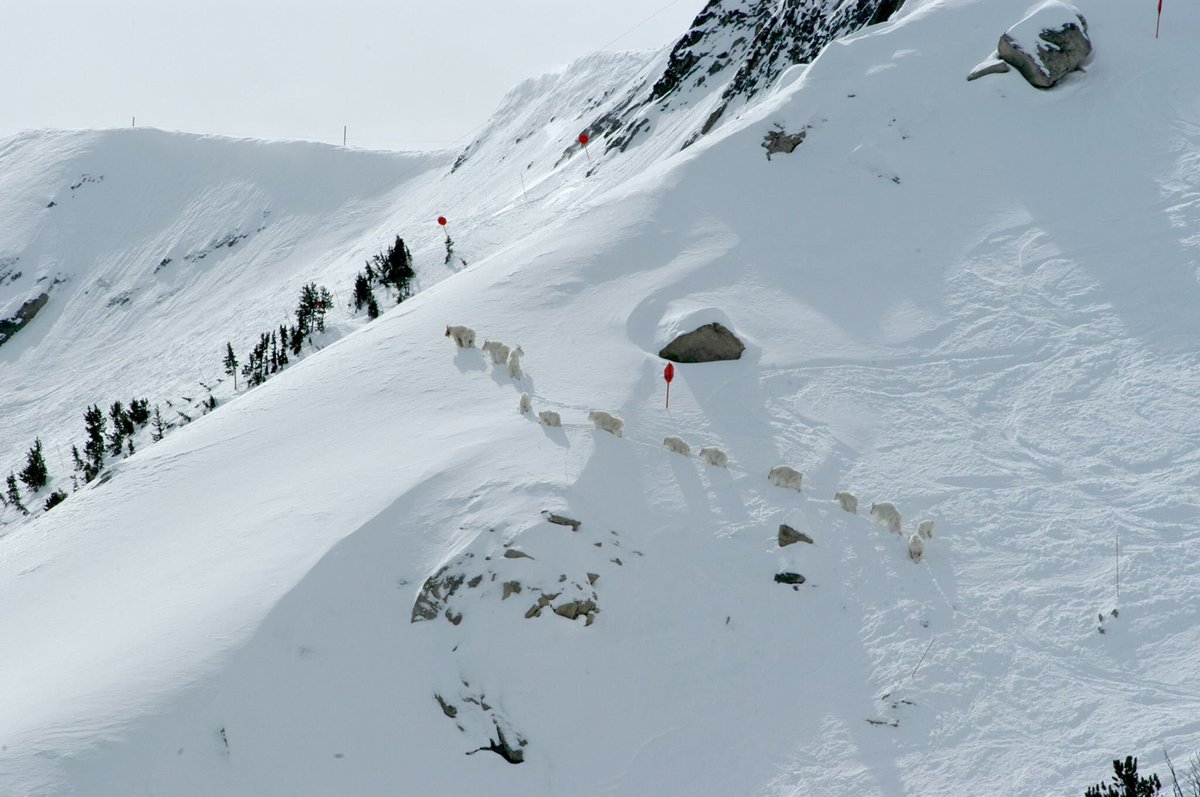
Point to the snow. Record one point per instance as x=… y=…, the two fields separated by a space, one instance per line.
x=1003 y=340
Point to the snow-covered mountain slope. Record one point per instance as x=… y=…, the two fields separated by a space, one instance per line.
x=975 y=300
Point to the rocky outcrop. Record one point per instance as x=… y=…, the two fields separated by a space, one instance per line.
x=24 y=314
x=789 y=536
x=710 y=343
x=735 y=48
x=1046 y=45
x=789 y=578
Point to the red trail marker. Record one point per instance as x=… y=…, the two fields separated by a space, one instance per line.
x=668 y=375
x=442 y=221
x=1159 y=21
x=583 y=140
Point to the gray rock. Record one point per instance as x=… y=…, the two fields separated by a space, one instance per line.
x=593 y=578
x=779 y=140
x=563 y=521
x=710 y=343
x=447 y=709
x=1047 y=44
x=513 y=553
x=511 y=588
x=789 y=536
x=436 y=591
x=789 y=578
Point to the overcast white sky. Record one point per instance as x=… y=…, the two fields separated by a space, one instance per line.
x=401 y=74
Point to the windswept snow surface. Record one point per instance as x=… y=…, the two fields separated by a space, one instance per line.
x=975 y=300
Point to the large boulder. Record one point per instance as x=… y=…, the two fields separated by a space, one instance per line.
x=1047 y=44
x=710 y=343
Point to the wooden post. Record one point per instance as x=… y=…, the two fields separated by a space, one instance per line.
x=343 y=135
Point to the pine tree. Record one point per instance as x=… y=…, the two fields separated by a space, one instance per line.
x=129 y=447
x=94 y=447
x=160 y=426
x=372 y=307
x=324 y=303
x=79 y=463
x=54 y=499
x=362 y=291
x=14 y=495
x=283 y=346
x=231 y=363
x=35 y=474
x=1126 y=782
x=297 y=340
x=139 y=411
x=121 y=426
x=274 y=354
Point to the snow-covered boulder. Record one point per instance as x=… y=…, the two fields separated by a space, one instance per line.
x=709 y=343
x=1047 y=44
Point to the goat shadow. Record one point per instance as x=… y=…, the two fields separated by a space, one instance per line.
x=467 y=360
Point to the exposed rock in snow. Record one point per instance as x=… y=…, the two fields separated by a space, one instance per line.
x=735 y=49
x=562 y=520
x=1047 y=44
x=789 y=536
x=789 y=578
x=710 y=343
x=777 y=140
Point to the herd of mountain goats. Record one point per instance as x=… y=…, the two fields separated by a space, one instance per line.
x=785 y=476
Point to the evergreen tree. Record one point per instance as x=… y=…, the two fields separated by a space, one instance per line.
x=54 y=499
x=34 y=475
x=297 y=340
x=79 y=464
x=362 y=291
x=231 y=363
x=283 y=346
x=93 y=449
x=398 y=270
x=121 y=427
x=129 y=446
x=160 y=426
x=1126 y=782
x=139 y=411
x=324 y=303
x=372 y=307
x=449 y=249
x=14 y=495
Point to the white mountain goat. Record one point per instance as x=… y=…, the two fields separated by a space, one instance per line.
x=849 y=501
x=514 y=362
x=464 y=337
x=916 y=547
x=886 y=513
x=677 y=445
x=715 y=457
x=525 y=406
x=498 y=351
x=549 y=418
x=784 y=476
x=606 y=421
x=925 y=529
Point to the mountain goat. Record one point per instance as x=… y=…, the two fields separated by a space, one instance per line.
x=925 y=529
x=464 y=337
x=525 y=406
x=849 y=501
x=784 y=476
x=498 y=351
x=916 y=547
x=606 y=421
x=886 y=512
x=677 y=445
x=715 y=457
x=514 y=362
x=549 y=418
